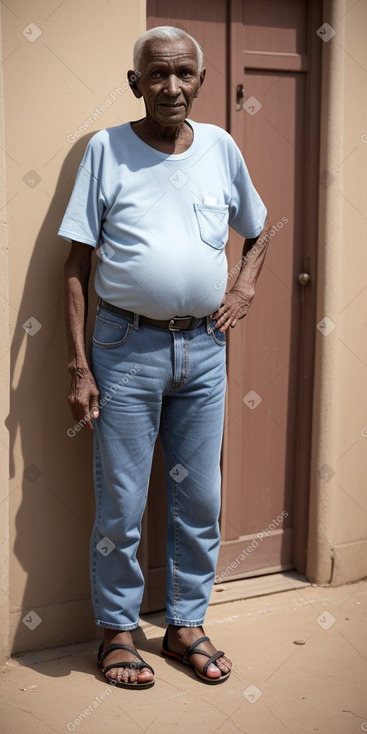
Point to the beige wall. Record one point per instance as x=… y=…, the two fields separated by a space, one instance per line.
x=338 y=518
x=4 y=386
x=57 y=72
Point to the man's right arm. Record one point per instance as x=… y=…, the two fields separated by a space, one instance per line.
x=83 y=394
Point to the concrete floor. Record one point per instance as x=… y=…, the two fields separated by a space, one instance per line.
x=277 y=686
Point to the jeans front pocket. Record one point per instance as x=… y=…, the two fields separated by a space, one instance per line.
x=109 y=334
x=213 y=224
x=218 y=336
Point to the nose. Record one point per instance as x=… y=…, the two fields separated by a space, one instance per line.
x=172 y=87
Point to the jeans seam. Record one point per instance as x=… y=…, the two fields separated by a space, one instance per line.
x=97 y=479
x=179 y=622
x=121 y=627
x=187 y=360
x=175 y=516
x=185 y=367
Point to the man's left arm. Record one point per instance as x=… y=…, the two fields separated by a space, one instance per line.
x=237 y=301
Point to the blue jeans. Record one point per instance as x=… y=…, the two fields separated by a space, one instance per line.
x=153 y=380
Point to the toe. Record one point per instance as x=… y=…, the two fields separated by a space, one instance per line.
x=114 y=675
x=213 y=671
x=224 y=664
x=132 y=676
x=145 y=675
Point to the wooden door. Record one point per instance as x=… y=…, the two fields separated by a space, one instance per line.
x=270 y=52
x=275 y=56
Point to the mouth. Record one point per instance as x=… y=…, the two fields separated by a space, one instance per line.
x=172 y=105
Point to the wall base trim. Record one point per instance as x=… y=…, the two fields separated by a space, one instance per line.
x=60 y=625
x=350 y=562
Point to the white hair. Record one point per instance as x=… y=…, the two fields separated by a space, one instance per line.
x=163 y=33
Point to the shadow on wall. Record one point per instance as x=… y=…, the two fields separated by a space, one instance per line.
x=51 y=497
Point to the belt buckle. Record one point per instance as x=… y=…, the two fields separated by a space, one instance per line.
x=171 y=324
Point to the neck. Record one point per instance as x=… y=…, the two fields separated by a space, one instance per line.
x=170 y=139
x=169 y=134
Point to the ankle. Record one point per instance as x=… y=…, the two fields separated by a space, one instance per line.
x=185 y=634
x=122 y=636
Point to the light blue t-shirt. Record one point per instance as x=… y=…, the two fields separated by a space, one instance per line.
x=159 y=221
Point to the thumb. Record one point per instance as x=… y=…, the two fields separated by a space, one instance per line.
x=94 y=409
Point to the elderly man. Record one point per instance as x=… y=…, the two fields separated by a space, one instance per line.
x=155 y=198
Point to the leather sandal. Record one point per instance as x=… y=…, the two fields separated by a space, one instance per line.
x=192 y=650
x=131 y=665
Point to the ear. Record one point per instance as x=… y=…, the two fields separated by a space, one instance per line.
x=132 y=77
x=202 y=77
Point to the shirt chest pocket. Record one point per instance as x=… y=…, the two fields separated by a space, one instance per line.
x=213 y=224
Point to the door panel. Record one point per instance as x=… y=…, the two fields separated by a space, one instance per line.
x=270 y=47
x=273 y=26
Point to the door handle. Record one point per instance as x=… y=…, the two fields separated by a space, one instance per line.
x=239 y=96
x=304 y=275
x=303 y=279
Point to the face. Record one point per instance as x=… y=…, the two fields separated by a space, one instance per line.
x=169 y=80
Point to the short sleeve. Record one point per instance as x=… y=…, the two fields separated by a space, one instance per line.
x=247 y=211
x=83 y=217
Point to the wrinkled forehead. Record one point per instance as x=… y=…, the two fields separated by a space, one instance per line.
x=177 y=49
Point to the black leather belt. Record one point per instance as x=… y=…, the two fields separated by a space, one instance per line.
x=179 y=323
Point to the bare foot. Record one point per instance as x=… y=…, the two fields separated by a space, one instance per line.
x=132 y=675
x=179 y=638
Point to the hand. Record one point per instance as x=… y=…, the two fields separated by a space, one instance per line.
x=235 y=306
x=83 y=396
